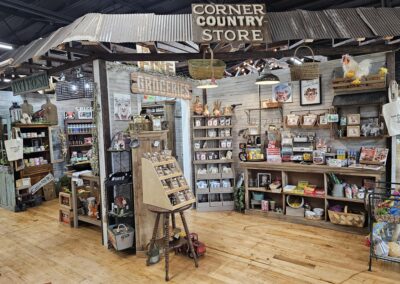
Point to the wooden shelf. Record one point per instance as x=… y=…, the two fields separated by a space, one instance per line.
x=210 y=116
x=354 y=200
x=43 y=151
x=261 y=189
x=177 y=189
x=89 y=220
x=80 y=133
x=305 y=195
x=34 y=137
x=163 y=163
x=82 y=145
x=212 y=149
x=72 y=121
x=362 y=137
x=212 y=138
x=191 y=201
x=170 y=176
x=200 y=162
x=33 y=125
x=212 y=127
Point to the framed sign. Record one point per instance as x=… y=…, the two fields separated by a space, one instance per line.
x=159 y=85
x=84 y=112
x=230 y=23
x=282 y=93
x=29 y=84
x=310 y=92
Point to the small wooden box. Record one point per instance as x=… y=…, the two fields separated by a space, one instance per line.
x=65 y=201
x=49 y=191
x=66 y=216
x=297 y=212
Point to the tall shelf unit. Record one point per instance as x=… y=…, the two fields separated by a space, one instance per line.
x=78 y=131
x=214 y=175
x=165 y=110
x=292 y=173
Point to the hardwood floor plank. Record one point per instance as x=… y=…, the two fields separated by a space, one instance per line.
x=36 y=248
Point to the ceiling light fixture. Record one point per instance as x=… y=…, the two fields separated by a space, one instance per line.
x=208 y=84
x=6 y=80
x=6 y=46
x=267 y=78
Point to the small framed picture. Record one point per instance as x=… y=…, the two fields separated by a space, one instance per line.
x=323 y=120
x=310 y=92
x=69 y=115
x=309 y=120
x=333 y=117
x=353 y=131
x=282 y=93
x=85 y=112
x=292 y=120
x=353 y=119
x=263 y=179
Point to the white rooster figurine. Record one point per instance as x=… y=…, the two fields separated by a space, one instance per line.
x=354 y=70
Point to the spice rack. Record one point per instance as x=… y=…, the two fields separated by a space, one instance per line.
x=158 y=190
x=214 y=175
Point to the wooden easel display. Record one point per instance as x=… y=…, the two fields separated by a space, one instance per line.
x=156 y=191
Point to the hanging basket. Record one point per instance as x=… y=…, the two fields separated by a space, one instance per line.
x=202 y=69
x=305 y=71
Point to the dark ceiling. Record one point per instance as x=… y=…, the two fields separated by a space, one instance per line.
x=24 y=20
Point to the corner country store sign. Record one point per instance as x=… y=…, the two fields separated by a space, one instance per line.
x=229 y=23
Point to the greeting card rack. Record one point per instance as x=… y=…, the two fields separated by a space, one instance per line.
x=161 y=190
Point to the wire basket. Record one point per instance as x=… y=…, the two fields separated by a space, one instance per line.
x=305 y=71
x=202 y=69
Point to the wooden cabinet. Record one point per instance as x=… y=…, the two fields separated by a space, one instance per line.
x=79 y=136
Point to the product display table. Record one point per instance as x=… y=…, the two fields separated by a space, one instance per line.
x=92 y=179
x=166 y=214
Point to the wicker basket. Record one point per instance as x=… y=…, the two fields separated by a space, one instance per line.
x=347 y=219
x=305 y=71
x=202 y=69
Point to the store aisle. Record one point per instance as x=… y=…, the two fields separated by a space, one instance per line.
x=36 y=248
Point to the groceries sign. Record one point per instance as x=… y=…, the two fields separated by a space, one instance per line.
x=230 y=23
x=159 y=85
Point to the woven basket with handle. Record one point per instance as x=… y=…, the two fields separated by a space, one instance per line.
x=346 y=219
x=202 y=69
x=305 y=71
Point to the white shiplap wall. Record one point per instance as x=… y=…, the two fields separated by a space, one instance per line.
x=242 y=90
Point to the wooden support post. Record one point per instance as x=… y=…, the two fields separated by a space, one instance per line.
x=103 y=130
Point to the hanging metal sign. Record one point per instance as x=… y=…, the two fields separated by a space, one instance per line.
x=230 y=23
x=159 y=85
x=30 y=83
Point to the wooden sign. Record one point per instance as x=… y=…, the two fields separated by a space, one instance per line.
x=30 y=83
x=230 y=23
x=159 y=85
x=34 y=188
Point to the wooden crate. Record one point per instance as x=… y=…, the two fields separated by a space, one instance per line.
x=65 y=201
x=66 y=216
x=371 y=82
x=49 y=191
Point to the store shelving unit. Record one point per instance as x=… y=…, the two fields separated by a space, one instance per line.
x=77 y=130
x=166 y=110
x=292 y=173
x=216 y=140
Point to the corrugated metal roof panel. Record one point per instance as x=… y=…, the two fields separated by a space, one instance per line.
x=318 y=25
x=348 y=24
x=382 y=21
x=286 y=25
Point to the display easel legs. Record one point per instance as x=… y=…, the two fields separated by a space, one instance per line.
x=166 y=217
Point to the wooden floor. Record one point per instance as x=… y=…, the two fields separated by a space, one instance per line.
x=36 y=248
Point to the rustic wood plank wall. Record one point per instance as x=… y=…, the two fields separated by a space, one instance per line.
x=242 y=90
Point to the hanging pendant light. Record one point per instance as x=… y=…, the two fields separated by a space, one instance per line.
x=208 y=84
x=267 y=78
